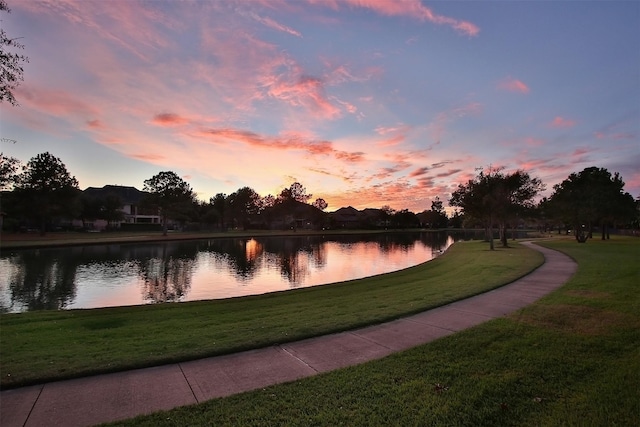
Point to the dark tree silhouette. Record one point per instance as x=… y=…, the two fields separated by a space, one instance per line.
x=295 y=192
x=8 y=171
x=46 y=189
x=494 y=197
x=242 y=204
x=593 y=196
x=320 y=203
x=218 y=203
x=11 y=63
x=170 y=194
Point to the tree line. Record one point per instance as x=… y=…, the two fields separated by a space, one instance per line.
x=43 y=190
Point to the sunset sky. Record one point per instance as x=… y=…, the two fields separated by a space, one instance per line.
x=365 y=102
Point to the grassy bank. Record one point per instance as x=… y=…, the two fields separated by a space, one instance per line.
x=571 y=359
x=41 y=346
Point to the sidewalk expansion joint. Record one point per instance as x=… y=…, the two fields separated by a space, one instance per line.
x=34 y=405
x=188 y=383
x=297 y=358
x=355 y=333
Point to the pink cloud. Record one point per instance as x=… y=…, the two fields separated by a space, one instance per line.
x=616 y=136
x=350 y=157
x=305 y=91
x=409 y=8
x=513 y=85
x=58 y=103
x=633 y=183
x=131 y=25
x=289 y=141
x=580 y=152
x=148 y=157
x=534 y=142
x=268 y=22
x=534 y=164
x=169 y=119
x=561 y=122
x=438 y=127
x=390 y=142
x=419 y=172
x=95 y=124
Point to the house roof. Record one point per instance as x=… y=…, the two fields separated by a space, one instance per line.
x=128 y=195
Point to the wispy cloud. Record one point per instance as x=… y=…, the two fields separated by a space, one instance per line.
x=268 y=22
x=513 y=85
x=409 y=8
x=562 y=123
x=438 y=127
x=286 y=142
x=305 y=91
x=169 y=119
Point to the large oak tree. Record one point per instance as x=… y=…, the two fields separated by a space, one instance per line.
x=496 y=198
x=591 y=197
x=46 y=189
x=170 y=194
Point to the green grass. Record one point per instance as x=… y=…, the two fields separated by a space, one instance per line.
x=571 y=359
x=43 y=346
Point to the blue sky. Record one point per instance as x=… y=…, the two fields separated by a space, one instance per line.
x=366 y=103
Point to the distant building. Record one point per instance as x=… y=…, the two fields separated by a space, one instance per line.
x=133 y=212
x=350 y=217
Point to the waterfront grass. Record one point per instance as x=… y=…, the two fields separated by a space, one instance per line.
x=47 y=345
x=571 y=359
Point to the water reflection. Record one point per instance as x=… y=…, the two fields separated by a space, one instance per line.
x=127 y=274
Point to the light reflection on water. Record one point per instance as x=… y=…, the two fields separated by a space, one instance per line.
x=130 y=274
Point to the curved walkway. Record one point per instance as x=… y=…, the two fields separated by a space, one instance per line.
x=103 y=398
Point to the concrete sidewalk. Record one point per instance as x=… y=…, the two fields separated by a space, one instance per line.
x=103 y=398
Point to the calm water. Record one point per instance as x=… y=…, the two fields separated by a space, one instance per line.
x=129 y=274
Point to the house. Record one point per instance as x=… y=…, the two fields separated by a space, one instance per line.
x=348 y=217
x=131 y=207
x=293 y=214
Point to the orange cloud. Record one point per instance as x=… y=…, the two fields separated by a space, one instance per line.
x=561 y=122
x=513 y=85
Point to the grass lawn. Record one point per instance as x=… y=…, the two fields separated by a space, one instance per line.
x=571 y=359
x=43 y=346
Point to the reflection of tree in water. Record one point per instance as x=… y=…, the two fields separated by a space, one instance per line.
x=47 y=279
x=41 y=280
x=167 y=276
x=437 y=241
x=166 y=280
x=294 y=256
x=242 y=255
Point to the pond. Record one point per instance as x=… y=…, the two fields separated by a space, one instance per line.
x=130 y=274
